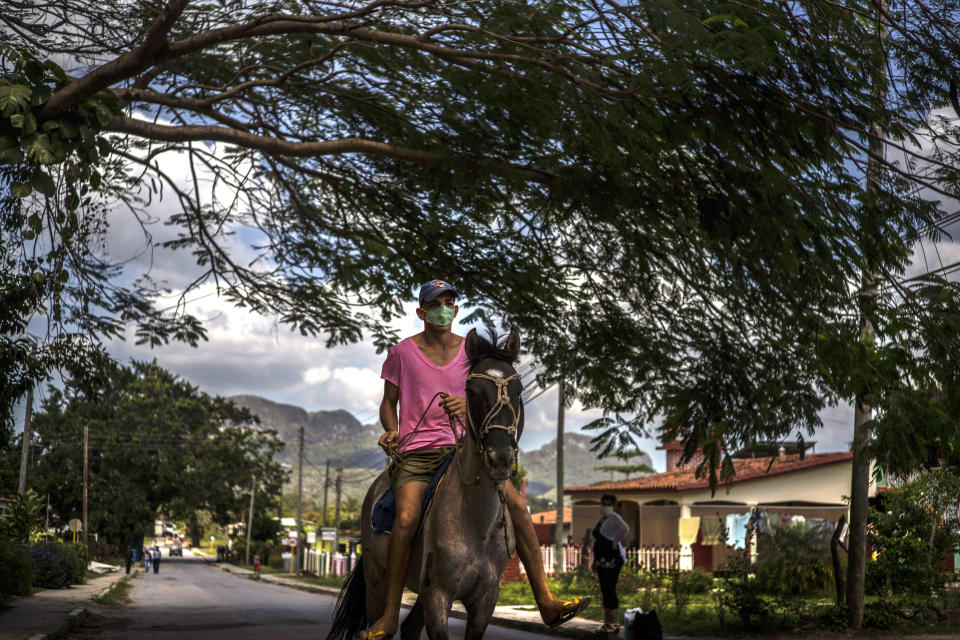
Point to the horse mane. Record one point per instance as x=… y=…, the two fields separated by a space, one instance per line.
x=492 y=347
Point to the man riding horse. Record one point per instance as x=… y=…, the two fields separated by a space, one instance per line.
x=416 y=371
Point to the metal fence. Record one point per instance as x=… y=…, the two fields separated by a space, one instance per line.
x=653 y=558
x=322 y=563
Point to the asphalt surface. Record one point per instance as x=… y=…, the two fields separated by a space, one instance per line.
x=188 y=600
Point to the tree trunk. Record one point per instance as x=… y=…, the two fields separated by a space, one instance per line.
x=835 y=556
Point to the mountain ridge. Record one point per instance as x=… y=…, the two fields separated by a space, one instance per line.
x=331 y=435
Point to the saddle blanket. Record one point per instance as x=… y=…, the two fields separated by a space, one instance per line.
x=385 y=511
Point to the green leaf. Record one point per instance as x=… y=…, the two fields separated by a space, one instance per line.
x=39 y=149
x=68 y=129
x=44 y=184
x=104 y=145
x=12 y=155
x=103 y=113
x=21 y=92
x=20 y=190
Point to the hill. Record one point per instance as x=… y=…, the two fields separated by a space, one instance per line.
x=327 y=435
x=579 y=464
x=338 y=435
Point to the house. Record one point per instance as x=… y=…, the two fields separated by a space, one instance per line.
x=788 y=484
x=545 y=523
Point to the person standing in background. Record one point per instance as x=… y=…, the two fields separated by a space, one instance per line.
x=608 y=559
x=156 y=559
x=147 y=557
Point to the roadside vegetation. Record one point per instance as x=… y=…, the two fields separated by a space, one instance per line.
x=792 y=589
x=117 y=593
x=29 y=561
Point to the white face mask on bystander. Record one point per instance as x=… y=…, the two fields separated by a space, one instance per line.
x=606 y=510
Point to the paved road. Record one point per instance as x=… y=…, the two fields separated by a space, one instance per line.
x=189 y=600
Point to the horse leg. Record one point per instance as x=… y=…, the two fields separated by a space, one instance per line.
x=479 y=611
x=376 y=593
x=412 y=625
x=436 y=610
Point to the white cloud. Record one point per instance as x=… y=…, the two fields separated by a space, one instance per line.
x=316 y=375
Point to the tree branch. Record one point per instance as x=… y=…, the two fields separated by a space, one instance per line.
x=276 y=146
x=130 y=63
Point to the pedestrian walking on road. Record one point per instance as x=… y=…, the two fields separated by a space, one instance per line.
x=156 y=559
x=256 y=564
x=608 y=559
x=147 y=556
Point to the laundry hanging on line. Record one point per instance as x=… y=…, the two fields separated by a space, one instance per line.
x=687 y=529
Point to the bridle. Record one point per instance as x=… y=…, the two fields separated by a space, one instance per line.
x=503 y=400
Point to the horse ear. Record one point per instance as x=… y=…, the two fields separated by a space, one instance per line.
x=512 y=345
x=471 y=346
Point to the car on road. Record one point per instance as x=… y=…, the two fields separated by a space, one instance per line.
x=176 y=550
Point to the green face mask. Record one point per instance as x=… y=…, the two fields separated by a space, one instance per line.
x=442 y=316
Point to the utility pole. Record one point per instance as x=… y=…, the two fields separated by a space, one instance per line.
x=86 y=486
x=326 y=486
x=863 y=414
x=25 y=454
x=253 y=490
x=46 y=522
x=300 y=507
x=336 y=517
x=558 y=528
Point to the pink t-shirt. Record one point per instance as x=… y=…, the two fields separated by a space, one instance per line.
x=418 y=380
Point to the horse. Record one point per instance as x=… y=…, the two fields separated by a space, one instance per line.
x=466 y=536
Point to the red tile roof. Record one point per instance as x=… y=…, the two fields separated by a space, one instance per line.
x=745 y=469
x=550 y=517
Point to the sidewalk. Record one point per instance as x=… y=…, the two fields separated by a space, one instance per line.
x=51 y=613
x=522 y=618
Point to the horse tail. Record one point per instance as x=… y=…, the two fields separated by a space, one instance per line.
x=350 y=613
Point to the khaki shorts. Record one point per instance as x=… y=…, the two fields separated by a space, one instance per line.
x=418 y=466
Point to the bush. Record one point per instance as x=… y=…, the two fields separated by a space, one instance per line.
x=265 y=548
x=741 y=592
x=54 y=565
x=80 y=552
x=797 y=565
x=696 y=581
x=16 y=571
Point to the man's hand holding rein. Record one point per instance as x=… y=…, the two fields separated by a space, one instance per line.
x=453 y=405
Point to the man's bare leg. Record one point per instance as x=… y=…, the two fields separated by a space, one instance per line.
x=528 y=548
x=409 y=499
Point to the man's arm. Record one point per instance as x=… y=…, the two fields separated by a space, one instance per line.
x=388 y=418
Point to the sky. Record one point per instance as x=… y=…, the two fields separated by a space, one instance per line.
x=253 y=354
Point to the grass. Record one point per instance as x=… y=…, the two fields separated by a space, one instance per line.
x=117 y=593
x=326 y=581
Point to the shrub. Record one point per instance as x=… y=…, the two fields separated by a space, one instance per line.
x=741 y=592
x=797 y=564
x=54 y=566
x=79 y=550
x=265 y=548
x=917 y=527
x=16 y=571
x=696 y=581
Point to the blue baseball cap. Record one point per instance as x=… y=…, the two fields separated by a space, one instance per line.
x=432 y=289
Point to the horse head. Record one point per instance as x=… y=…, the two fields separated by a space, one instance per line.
x=494 y=406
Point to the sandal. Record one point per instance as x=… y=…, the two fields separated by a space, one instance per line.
x=580 y=606
x=372 y=635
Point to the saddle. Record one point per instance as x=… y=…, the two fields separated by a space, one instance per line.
x=385 y=510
